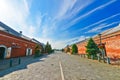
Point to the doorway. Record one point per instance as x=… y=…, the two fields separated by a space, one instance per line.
x=2 y=52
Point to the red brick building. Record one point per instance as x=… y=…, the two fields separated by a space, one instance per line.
x=110 y=41
x=14 y=44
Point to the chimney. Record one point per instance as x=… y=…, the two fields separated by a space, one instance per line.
x=7 y=30
x=20 y=32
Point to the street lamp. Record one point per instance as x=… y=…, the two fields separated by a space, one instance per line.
x=100 y=38
x=102 y=50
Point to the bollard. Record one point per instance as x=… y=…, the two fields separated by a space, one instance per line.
x=92 y=57
x=19 y=60
x=84 y=55
x=11 y=62
x=108 y=60
x=99 y=58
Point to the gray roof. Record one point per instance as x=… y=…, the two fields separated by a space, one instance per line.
x=9 y=30
x=6 y=28
x=36 y=41
x=112 y=30
x=109 y=31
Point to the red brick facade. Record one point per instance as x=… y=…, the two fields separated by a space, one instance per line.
x=18 y=46
x=81 y=47
x=111 y=42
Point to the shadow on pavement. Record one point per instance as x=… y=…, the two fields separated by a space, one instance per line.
x=23 y=65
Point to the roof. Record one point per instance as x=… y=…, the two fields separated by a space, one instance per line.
x=36 y=41
x=7 y=29
x=112 y=30
x=109 y=31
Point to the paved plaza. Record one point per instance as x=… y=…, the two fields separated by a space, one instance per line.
x=61 y=66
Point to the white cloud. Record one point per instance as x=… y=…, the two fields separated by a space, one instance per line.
x=67 y=9
x=55 y=44
x=65 y=6
x=97 y=23
x=13 y=12
x=78 y=8
x=98 y=28
x=76 y=39
x=88 y=13
x=101 y=26
x=62 y=43
x=16 y=14
x=59 y=44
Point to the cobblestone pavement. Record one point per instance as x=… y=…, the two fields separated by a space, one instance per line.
x=74 y=68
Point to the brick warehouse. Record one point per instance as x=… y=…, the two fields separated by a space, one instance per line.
x=14 y=44
x=110 y=41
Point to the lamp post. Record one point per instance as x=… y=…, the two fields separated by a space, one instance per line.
x=99 y=45
x=100 y=38
x=102 y=51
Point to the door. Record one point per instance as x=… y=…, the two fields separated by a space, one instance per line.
x=28 y=51
x=2 y=52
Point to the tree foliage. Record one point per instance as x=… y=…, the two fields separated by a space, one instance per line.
x=48 y=48
x=74 y=49
x=37 y=50
x=62 y=50
x=91 y=48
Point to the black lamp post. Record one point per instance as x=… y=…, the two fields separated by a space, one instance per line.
x=103 y=54
x=100 y=38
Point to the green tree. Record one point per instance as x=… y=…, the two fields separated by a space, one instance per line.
x=62 y=50
x=37 y=51
x=74 y=49
x=48 y=48
x=91 y=48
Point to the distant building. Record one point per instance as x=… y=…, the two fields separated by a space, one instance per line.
x=15 y=44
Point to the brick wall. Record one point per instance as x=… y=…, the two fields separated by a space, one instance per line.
x=81 y=47
x=112 y=45
x=111 y=41
x=19 y=45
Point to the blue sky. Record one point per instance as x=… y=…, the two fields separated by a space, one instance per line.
x=60 y=22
